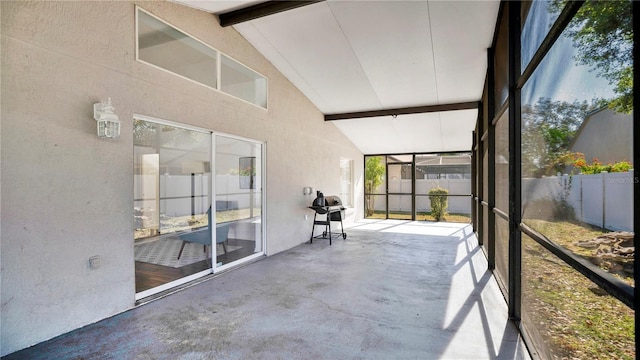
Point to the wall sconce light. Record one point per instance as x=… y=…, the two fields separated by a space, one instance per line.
x=108 y=122
x=307 y=190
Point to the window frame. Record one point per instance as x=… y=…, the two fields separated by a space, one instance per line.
x=219 y=55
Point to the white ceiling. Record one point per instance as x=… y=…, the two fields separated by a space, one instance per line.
x=350 y=56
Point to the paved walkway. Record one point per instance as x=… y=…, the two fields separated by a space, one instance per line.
x=392 y=290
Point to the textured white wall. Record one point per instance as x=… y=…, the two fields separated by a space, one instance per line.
x=607 y=136
x=67 y=196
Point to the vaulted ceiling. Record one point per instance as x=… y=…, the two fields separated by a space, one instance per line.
x=384 y=70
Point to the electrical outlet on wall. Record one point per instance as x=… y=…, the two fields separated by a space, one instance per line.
x=306 y=216
x=94 y=262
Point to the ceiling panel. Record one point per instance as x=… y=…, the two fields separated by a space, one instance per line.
x=430 y=132
x=392 y=43
x=462 y=33
x=217 y=6
x=457 y=129
x=350 y=56
x=312 y=43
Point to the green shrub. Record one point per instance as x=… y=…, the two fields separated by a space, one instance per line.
x=596 y=167
x=621 y=166
x=439 y=202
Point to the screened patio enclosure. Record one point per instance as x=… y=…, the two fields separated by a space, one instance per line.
x=402 y=186
x=542 y=202
x=516 y=118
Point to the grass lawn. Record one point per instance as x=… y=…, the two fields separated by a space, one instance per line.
x=572 y=316
x=566 y=234
x=460 y=218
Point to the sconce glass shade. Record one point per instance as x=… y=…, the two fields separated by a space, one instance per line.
x=108 y=122
x=108 y=128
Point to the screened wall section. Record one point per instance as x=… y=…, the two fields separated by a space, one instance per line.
x=426 y=187
x=555 y=185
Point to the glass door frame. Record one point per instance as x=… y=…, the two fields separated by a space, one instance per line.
x=212 y=190
x=183 y=280
x=413 y=184
x=263 y=208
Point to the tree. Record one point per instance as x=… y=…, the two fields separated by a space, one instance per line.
x=548 y=127
x=374 y=171
x=602 y=32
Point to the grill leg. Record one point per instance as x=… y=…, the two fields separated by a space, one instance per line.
x=313 y=228
x=329 y=225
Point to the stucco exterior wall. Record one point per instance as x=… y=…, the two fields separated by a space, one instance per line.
x=58 y=58
x=607 y=136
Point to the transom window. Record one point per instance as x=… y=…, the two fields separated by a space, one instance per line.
x=163 y=46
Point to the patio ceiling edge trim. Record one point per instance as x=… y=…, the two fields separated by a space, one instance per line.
x=404 y=111
x=260 y=10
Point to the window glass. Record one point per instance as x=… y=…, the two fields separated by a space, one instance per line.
x=346 y=182
x=502 y=251
x=577 y=139
x=502 y=59
x=540 y=16
x=242 y=82
x=502 y=163
x=166 y=47
x=485 y=171
x=172 y=202
x=485 y=192
x=238 y=202
x=566 y=315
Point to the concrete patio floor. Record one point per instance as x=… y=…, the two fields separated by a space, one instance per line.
x=392 y=290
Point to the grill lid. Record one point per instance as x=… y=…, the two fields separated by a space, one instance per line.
x=332 y=200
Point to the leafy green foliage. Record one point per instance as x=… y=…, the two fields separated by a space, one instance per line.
x=439 y=202
x=548 y=127
x=374 y=171
x=596 y=167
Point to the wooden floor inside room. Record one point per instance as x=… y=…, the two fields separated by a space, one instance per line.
x=152 y=275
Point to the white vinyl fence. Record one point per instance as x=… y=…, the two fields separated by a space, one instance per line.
x=604 y=200
x=457 y=204
x=178 y=193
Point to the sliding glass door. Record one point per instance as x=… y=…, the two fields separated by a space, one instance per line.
x=238 y=199
x=172 y=202
x=190 y=223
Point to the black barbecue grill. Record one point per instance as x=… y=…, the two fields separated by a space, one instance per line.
x=330 y=208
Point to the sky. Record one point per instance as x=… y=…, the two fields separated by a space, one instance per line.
x=558 y=77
